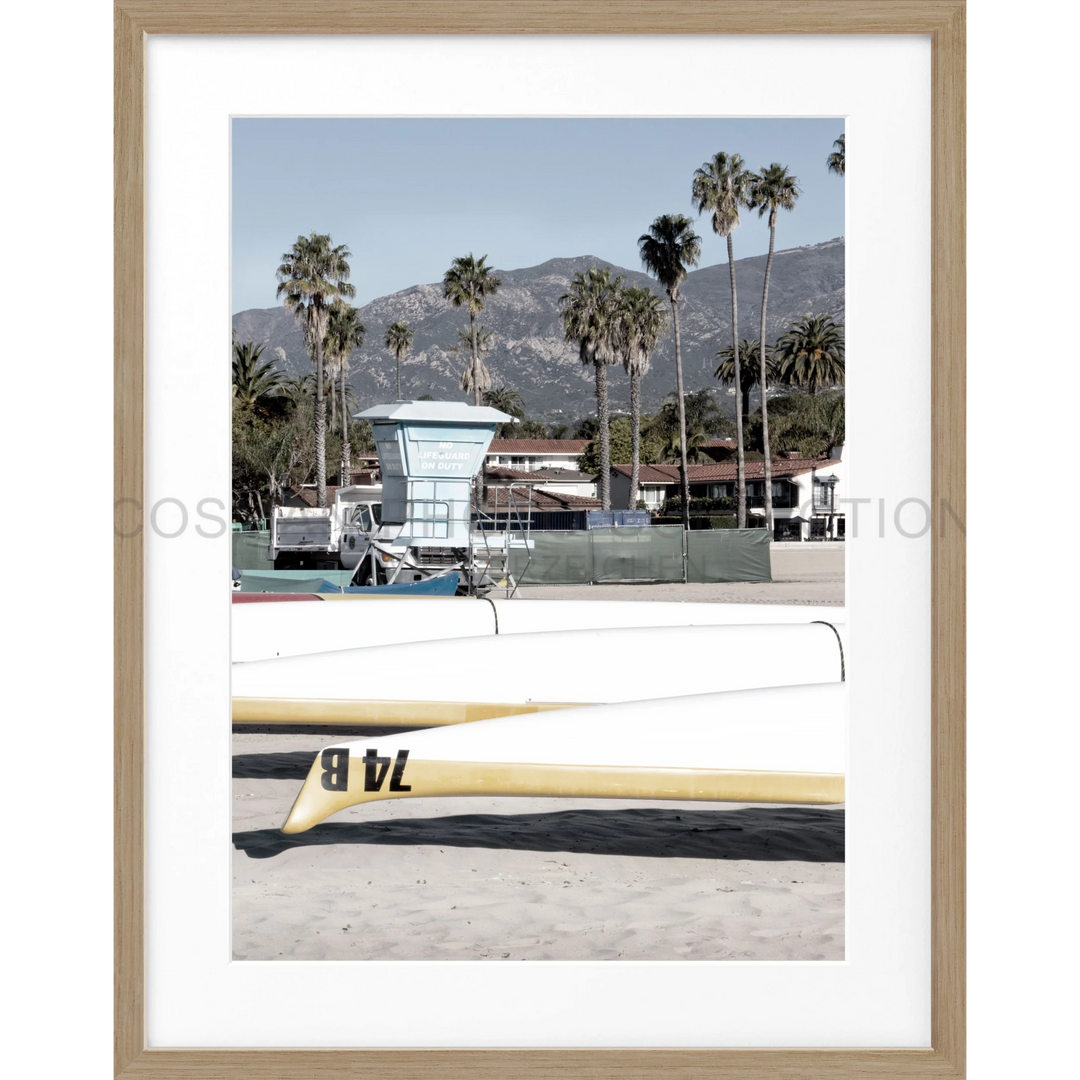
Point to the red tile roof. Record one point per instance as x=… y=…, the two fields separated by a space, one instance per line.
x=539 y=476
x=725 y=470
x=538 y=446
x=539 y=500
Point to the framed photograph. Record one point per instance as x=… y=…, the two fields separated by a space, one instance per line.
x=895 y=1002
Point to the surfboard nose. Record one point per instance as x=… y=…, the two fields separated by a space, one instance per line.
x=305 y=812
x=325 y=791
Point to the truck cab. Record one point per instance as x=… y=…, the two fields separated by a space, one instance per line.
x=359 y=526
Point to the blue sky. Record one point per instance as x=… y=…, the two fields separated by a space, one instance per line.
x=409 y=195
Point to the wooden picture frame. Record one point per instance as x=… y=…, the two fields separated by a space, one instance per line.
x=943 y=21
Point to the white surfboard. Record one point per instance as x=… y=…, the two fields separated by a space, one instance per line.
x=267 y=631
x=784 y=745
x=466 y=679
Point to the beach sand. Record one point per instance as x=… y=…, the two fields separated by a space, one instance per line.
x=541 y=879
x=526 y=879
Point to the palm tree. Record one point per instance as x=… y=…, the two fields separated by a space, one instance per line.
x=345 y=333
x=750 y=373
x=252 y=381
x=811 y=353
x=703 y=411
x=589 y=317
x=699 y=408
x=399 y=342
x=475 y=373
x=641 y=320
x=722 y=186
x=506 y=399
x=667 y=249
x=808 y=425
x=835 y=160
x=696 y=442
x=299 y=388
x=775 y=189
x=468 y=283
x=312 y=275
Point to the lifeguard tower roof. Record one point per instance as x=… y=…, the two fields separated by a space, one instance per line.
x=429 y=451
x=435 y=412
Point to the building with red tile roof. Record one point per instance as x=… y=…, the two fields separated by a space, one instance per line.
x=808 y=493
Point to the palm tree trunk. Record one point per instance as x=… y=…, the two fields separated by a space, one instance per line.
x=478 y=399
x=740 y=449
x=346 y=449
x=635 y=436
x=397 y=356
x=320 y=428
x=765 y=383
x=477 y=392
x=684 y=478
x=333 y=400
x=604 y=433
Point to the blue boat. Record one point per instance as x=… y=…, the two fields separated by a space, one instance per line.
x=443 y=585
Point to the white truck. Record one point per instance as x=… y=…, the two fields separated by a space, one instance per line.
x=350 y=535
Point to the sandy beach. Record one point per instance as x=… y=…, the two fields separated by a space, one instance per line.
x=541 y=879
x=526 y=879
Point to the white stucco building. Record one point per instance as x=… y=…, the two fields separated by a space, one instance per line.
x=808 y=493
x=528 y=455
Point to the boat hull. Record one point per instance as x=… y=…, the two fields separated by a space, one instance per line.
x=275 y=630
x=450 y=682
x=783 y=745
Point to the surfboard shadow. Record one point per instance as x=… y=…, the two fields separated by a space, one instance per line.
x=292 y=765
x=767 y=834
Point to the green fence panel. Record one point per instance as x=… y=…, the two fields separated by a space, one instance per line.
x=558 y=558
x=626 y=553
x=644 y=553
x=728 y=555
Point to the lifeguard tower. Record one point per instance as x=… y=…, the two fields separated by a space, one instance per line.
x=429 y=453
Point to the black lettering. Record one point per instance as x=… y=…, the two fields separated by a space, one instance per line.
x=399 y=770
x=374 y=770
x=335 y=765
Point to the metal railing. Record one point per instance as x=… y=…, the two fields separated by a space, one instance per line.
x=524 y=526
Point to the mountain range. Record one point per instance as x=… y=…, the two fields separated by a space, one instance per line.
x=529 y=353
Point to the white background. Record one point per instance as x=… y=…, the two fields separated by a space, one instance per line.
x=880 y=995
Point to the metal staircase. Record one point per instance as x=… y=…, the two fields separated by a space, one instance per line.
x=495 y=542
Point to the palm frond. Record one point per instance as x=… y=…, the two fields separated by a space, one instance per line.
x=835 y=160
x=469 y=282
x=811 y=353
x=668 y=249
x=590 y=314
x=773 y=189
x=721 y=187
